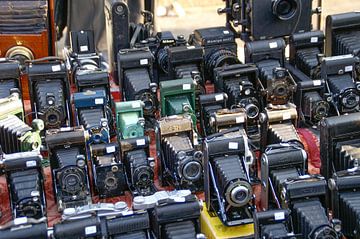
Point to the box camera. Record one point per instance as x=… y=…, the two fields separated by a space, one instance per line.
x=261 y=20
x=181 y=161
x=219 y=48
x=27 y=30
x=91 y=112
x=228 y=190
x=305 y=196
x=50 y=92
x=278 y=163
x=338 y=72
x=342 y=31
x=12 y=105
x=174 y=219
x=67 y=154
x=210 y=104
x=25 y=182
x=10 y=77
x=129 y=119
x=344 y=186
x=16 y=136
x=135 y=69
x=178 y=97
x=338 y=141
x=139 y=166
x=273 y=224
x=108 y=171
x=103 y=220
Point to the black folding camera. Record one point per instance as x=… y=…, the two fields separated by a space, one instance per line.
x=342 y=32
x=50 y=92
x=173 y=219
x=67 y=153
x=261 y=19
x=311 y=99
x=181 y=160
x=10 y=77
x=345 y=194
x=219 y=48
x=272 y=224
x=135 y=69
x=25 y=182
x=139 y=166
x=228 y=190
x=305 y=196
x=108 y=170
x=339 y=143
x=103 y=220
x=279 y=162
x=210 y=104
x=276 y=84
x=339 y=75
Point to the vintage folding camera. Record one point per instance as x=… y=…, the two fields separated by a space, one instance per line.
x=173 y=219
x=276 y=84
x=305 y=196
x=135 y=68
x=219 y=48
x=184 y=60
x=12 y=105
x=129 y=119
x=278 y=163
x=278 y=126
x=339 y=75
x=139 y=166
x=50 y=92
x=25 y=182
x=16 y=136
x=210 y=104
x=228 y=190
x=178 y=97
x=344 y=187
x=103 y=220
x=10 y=77
x=272 y=224
x=339 y=136
x=259 y=19
x=108 y=170
x=25 y=228
x=305 y=50
x=27 y=29
x=177 y=148
x=67 y=154
x=90 y=107
x=342 y=30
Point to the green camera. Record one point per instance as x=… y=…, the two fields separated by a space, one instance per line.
x=129 y=119
x=12 y=105
x=178 y=97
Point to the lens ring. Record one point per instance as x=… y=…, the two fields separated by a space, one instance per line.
x=285 y=9
x=252 y=111
x=192 y=170
x=239 y=194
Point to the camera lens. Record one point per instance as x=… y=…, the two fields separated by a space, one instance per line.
x=240 y=195
x=285 y=9
x=219 y=58
x=351 y=100
x=110 y=182
x=252 y=111
x=163 y=59
x=71 y=180
x=280 y=90
x=321 y=110
x=192 y=170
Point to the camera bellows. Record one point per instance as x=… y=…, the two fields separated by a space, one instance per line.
x=90 y=118
x=180 y=230
x=16 y=136
x=26 y=193
x=232 y=180
x=310 y=218
x=283 y=133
